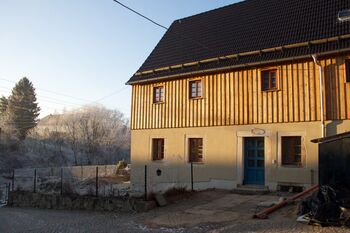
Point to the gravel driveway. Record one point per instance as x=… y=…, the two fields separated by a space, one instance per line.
x=209 y=211
x=16 y=220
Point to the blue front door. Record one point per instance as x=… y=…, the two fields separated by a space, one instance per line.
x=254 y=163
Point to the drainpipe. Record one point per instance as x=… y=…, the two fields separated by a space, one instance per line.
x=318 y=63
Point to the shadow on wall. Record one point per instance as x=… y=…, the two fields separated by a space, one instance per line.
x=331 y=128
x=335 y=90
x=155 y=177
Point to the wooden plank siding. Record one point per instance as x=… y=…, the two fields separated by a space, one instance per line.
x=236 y=98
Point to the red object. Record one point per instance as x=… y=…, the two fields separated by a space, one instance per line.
x=264 y=213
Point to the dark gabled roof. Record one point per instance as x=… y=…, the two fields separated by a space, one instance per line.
x=252 y=25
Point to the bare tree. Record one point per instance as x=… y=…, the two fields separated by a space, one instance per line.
x=70 y=124
x=102 y=135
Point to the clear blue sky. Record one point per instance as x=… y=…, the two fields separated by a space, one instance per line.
x=84 y=49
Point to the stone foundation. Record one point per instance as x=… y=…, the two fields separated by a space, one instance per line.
x=70 y=202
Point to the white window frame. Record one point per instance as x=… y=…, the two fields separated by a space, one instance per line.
x=202 y=88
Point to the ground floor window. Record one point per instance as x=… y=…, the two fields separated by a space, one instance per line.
x=196 y=150
x=157 y=148
x=291 y=151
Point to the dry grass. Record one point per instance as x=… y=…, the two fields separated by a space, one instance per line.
x=176 y=191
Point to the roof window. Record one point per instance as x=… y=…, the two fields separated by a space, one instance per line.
x=344 y=15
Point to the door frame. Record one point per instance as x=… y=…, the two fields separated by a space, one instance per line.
x=245 y=139
x=240 y=152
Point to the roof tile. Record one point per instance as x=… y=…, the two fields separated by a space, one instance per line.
x=247 y=26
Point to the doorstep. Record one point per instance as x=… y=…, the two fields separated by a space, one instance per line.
x=251 y=189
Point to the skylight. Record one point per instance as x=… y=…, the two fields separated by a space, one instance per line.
x=344 y=15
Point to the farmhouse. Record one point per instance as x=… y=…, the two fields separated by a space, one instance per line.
x=237 y=93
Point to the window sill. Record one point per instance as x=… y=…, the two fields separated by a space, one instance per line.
x=158 y=161
x=271 y=90
x=197 y=163
x=158 y=103
x=196 y=98
x=292 y=166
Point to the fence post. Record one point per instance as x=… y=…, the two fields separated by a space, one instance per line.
x=97 y=181
x=61 y=181
x=8 y=193
x=146 y=183
x=34 y=181
x=13 y=180
x=192 y=176
x=8 y=200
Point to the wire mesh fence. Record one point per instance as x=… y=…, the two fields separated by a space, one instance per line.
x=158 y=177
x=4 y=194
x=105 y=180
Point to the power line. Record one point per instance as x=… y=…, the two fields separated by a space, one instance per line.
x=44 y=98
x=160 y=25
x=53 y=92
x=26 y=108
x=62 y=102
x=113 y=93
x=76 y=107
x=139 y=14
x=70 y=103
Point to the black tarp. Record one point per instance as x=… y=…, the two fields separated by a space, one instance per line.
x=330 y=204
x=324 y=208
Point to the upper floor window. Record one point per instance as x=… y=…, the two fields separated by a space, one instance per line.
x=269 y=80
x=347 y=70
x=158 y=94
x=196 y=89
x=157 y=148
x=291 y=151
x=196 y=150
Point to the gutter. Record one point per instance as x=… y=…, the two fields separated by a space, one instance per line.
x=175 y=76
x=318 y=63
x=255 y=52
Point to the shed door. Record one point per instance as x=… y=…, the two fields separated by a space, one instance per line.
x=254 y=162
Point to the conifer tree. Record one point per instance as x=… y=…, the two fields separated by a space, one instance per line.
x=22 y=108
x=3 y=105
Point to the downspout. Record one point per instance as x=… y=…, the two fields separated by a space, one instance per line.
x=318 y=63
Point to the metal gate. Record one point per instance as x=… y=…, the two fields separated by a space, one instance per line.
x=4 y=194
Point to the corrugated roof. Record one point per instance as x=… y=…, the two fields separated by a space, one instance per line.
x=251 y=25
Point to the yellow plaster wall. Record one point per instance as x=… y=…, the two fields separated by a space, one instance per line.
x=223 y=154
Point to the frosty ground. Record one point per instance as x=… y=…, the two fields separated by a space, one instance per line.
x=208 y=211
